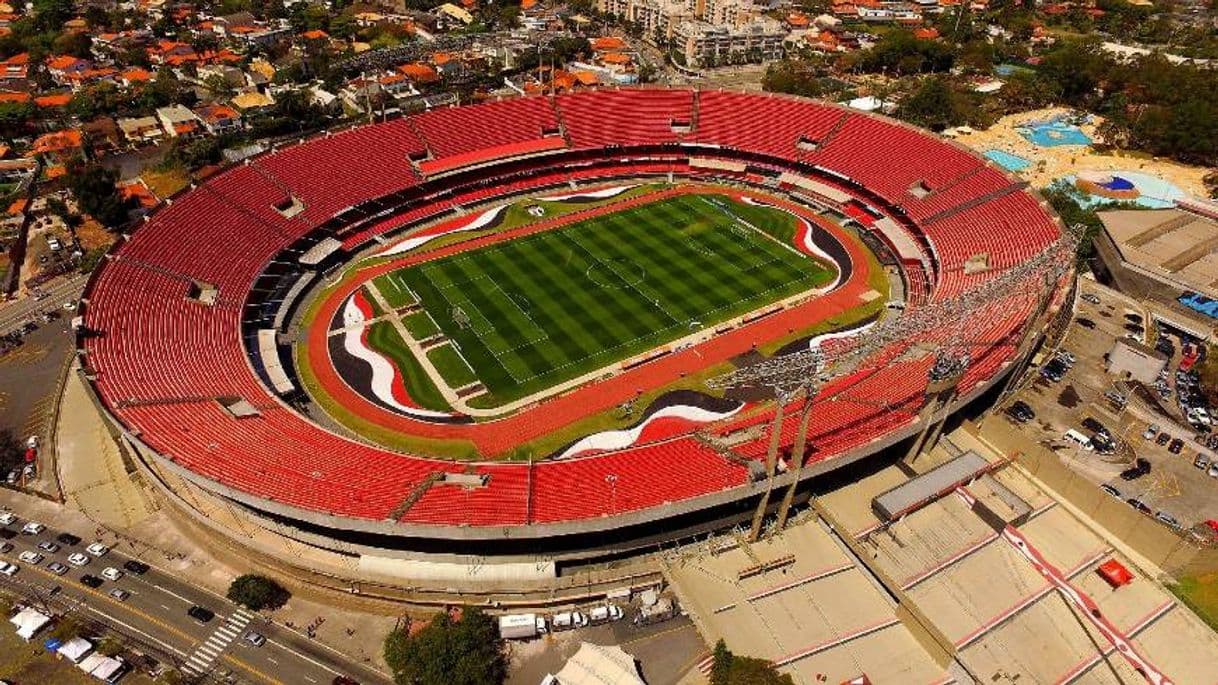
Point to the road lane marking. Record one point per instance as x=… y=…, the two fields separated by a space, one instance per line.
x=302 y=656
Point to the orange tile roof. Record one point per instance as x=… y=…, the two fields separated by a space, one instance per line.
x=56 y=171
x=62 y=62
x=18 y=206
x=586 y=78
x=608 y=44
x=139 y=192
x=419 y=73
x=22 y=58
x=54 y=100
x=57 y=140
x=528 y=4
x=441 y=58
x=15 y=97
x=615 y=58
x=315 y=34
x=928 y=33
x=136 y=75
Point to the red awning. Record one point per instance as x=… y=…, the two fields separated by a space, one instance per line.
x=1115 y=573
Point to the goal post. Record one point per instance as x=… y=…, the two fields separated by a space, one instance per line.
x=460 y=318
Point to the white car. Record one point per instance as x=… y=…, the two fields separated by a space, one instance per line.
x=97 y=549
x=1213 y=471
x=9 y=570
x=78 y=559
x=111 y=573
x=33 y=528
x=30 y=557
x=7 y=517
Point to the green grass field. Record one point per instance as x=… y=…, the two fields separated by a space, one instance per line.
x=535 y=311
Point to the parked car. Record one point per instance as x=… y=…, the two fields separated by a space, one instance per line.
x=111 y=573
x=1167 y=519
x=1110 y=490
x=254 y=638
x=30 y=557
x=200 y=614
x=33 y=528
x=48 y=547
x=1176 y=446
x=1151 y=431
x=7 y=517
x=120 y=594
x=1020 y=411
x=57 y=568
x=6 y=547
x=1138 y=504
x=1095 y=426
x=1201 y=461
x=1086 y=323
x=78 y=559
x=1090 y=298
x=1213 y=471
x=90 y=581
x=97 y=549
x=1140 y=468
x=1162 y=439
x=139 y=568
x=68 y=539
x=9 y=570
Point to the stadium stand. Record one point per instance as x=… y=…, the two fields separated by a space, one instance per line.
x=164 y=362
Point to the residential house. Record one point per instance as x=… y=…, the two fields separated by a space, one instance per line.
x=140 y=130
x=219 y=119
x=178 y=121
x=15 y=68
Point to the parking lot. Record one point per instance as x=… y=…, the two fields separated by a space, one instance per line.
x=1089 y=404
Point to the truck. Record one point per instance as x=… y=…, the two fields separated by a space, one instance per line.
x=521 y=626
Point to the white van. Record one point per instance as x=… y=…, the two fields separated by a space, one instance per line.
x=605 y=613
x=1079 y=439
x=569 y=619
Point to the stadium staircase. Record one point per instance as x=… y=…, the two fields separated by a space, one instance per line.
x=415 y=495
x=837 y=126
x=974 y=202
x=562 y=125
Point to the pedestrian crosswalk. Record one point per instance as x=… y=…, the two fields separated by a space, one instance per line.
x=205 y=655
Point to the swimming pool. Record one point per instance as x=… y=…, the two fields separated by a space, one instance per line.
x=1152 y=191
x=1007 y=160
x=1052 y=133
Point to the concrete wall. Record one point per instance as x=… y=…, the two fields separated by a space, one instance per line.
x=1175 y=553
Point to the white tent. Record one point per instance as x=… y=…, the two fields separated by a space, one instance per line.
x=29 y=621
x=598 y=665
x=90 y=662
x=75 y=649
x=107 y=668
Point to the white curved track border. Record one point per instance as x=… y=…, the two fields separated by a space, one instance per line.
x=620 y=439
x=590 y=195
x=409 y=244
x=806 y=238
x=383 y=371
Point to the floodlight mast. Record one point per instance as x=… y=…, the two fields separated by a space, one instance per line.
x=945 y=328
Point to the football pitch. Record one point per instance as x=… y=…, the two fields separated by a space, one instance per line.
x=535 y=311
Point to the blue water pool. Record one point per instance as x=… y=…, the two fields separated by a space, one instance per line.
x=1153 y=192
x=1007 y=160
x=1053 y=132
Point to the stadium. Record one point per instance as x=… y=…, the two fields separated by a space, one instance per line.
x=563 y=327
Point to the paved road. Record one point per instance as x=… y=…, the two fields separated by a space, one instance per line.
x=59 y=291
x=155 y=612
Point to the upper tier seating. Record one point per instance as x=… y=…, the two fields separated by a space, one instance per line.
x=625 y=117
x=769 y=124
x=464 y=130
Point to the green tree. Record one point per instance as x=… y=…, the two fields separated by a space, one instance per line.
x=728 y=669
x=15 y=118
x=933 y=105
x=448 y=652
x=97 y=195
x=12 y=451
x=257 y=592
x=74 y=43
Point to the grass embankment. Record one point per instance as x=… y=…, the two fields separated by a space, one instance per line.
x=384 y=338
x=1200 y=593
x=452 y=366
